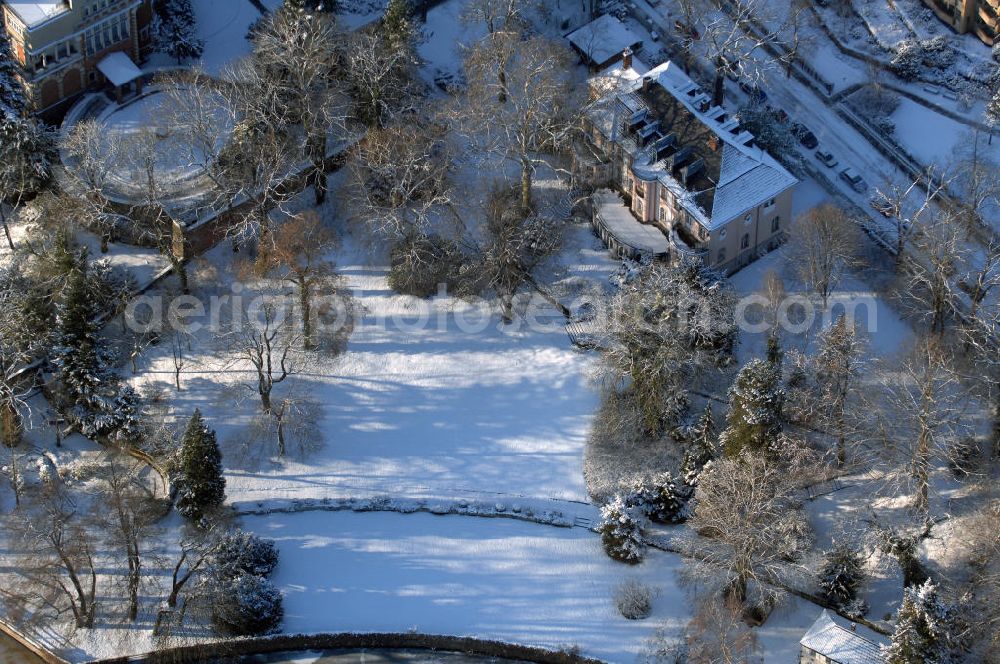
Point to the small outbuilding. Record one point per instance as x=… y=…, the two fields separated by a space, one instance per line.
x=829 y=641
x=121 y=73
x=601 y=42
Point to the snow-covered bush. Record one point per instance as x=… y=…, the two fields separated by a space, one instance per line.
x=248 y=605
x=660 y=498
x=241 y=553
x=841 y=577
x=906 y=63
x=877 y=105
x=634 y=600
x=621 y=531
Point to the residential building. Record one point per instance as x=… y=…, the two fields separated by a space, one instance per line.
x=601 y=42
x=830 y=642
x=61 y=45
x=683 y=166
x=980 y=17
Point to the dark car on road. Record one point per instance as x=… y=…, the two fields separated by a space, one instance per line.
x=804 y=136
x=757 y=95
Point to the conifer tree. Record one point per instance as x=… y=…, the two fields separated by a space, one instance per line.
x=177 y=30
x=838 y=359
x=396 y=25
x=923 y=633
x=80 y=369
x=326 y=6
x=200 y=483
x=701 y=447
x=755 y=402
x=841 y=576
x=13 y=99
x=621 y=530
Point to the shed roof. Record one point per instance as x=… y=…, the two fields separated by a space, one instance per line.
x=602 y=39
x=839 y=643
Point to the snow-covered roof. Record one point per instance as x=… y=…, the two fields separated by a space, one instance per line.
x=34 y=12
x=119 y=68
x=733 y=175
x=627 y=229
x=840 y=644
x=603 y=38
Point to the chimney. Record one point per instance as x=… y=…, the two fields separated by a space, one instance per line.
x=854 y=627
x=713 y=143
x=627 y=58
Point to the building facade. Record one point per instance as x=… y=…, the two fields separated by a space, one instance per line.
x=980 y=17
x=60 y=43
x=687 y=167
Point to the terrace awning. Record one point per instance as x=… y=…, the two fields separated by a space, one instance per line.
x=119 y=69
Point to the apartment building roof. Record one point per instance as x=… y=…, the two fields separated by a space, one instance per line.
x=675 y=136
x=35 y=12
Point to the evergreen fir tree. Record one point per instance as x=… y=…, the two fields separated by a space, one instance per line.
x=79 y=366
x=669 y=500
x=13 y=99
x=701 y=448
x=326 y=6
x=923 y=633
x=200 y=483
x=177 y=30
x=841 y=576
x=396 y=25
x=755 y=402
x=621 y=530
x=992 y=113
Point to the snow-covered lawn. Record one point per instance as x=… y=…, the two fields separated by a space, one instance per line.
x=934 y=138
x=450 y=407
x=491 y=578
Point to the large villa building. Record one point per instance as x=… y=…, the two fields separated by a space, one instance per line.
x=68 y=46
x=691 y=180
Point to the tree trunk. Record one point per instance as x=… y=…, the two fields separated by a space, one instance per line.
x=6 y=228
x=719 y=92
x=180 y=271
x=526 y=186
x=318 y=176
x=921 y=463
x=281 y=435
x=306 y=306
x=265 y=399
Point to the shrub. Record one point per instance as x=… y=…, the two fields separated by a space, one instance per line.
x=419 y=263
x=634 y=600
x=248 y=605
x=241 y=553
x=621 y=531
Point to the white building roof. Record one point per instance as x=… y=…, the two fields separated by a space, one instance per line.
x=603 y=38
x=34 y=12
x=119 y=68
x=841 y=644
x=627 y=229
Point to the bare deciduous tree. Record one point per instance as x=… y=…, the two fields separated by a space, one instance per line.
x=538 y=107
x=825 y=244
x=302 y=245
x=749 y=525
x=299 y=51
x=267 y=344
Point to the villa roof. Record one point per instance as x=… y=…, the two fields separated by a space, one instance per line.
x=839 y=643
x=119 y=68
x=697 y=151
x=34 y=12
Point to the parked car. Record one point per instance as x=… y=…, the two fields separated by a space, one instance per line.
x=883 y=206
x=686 y=30
x=826 y=158
x=756 y=94
x=804 y=136
x=853 y=178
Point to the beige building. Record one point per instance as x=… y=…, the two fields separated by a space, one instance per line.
x=980 y=17
x=61 y=45
x=685 y=168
